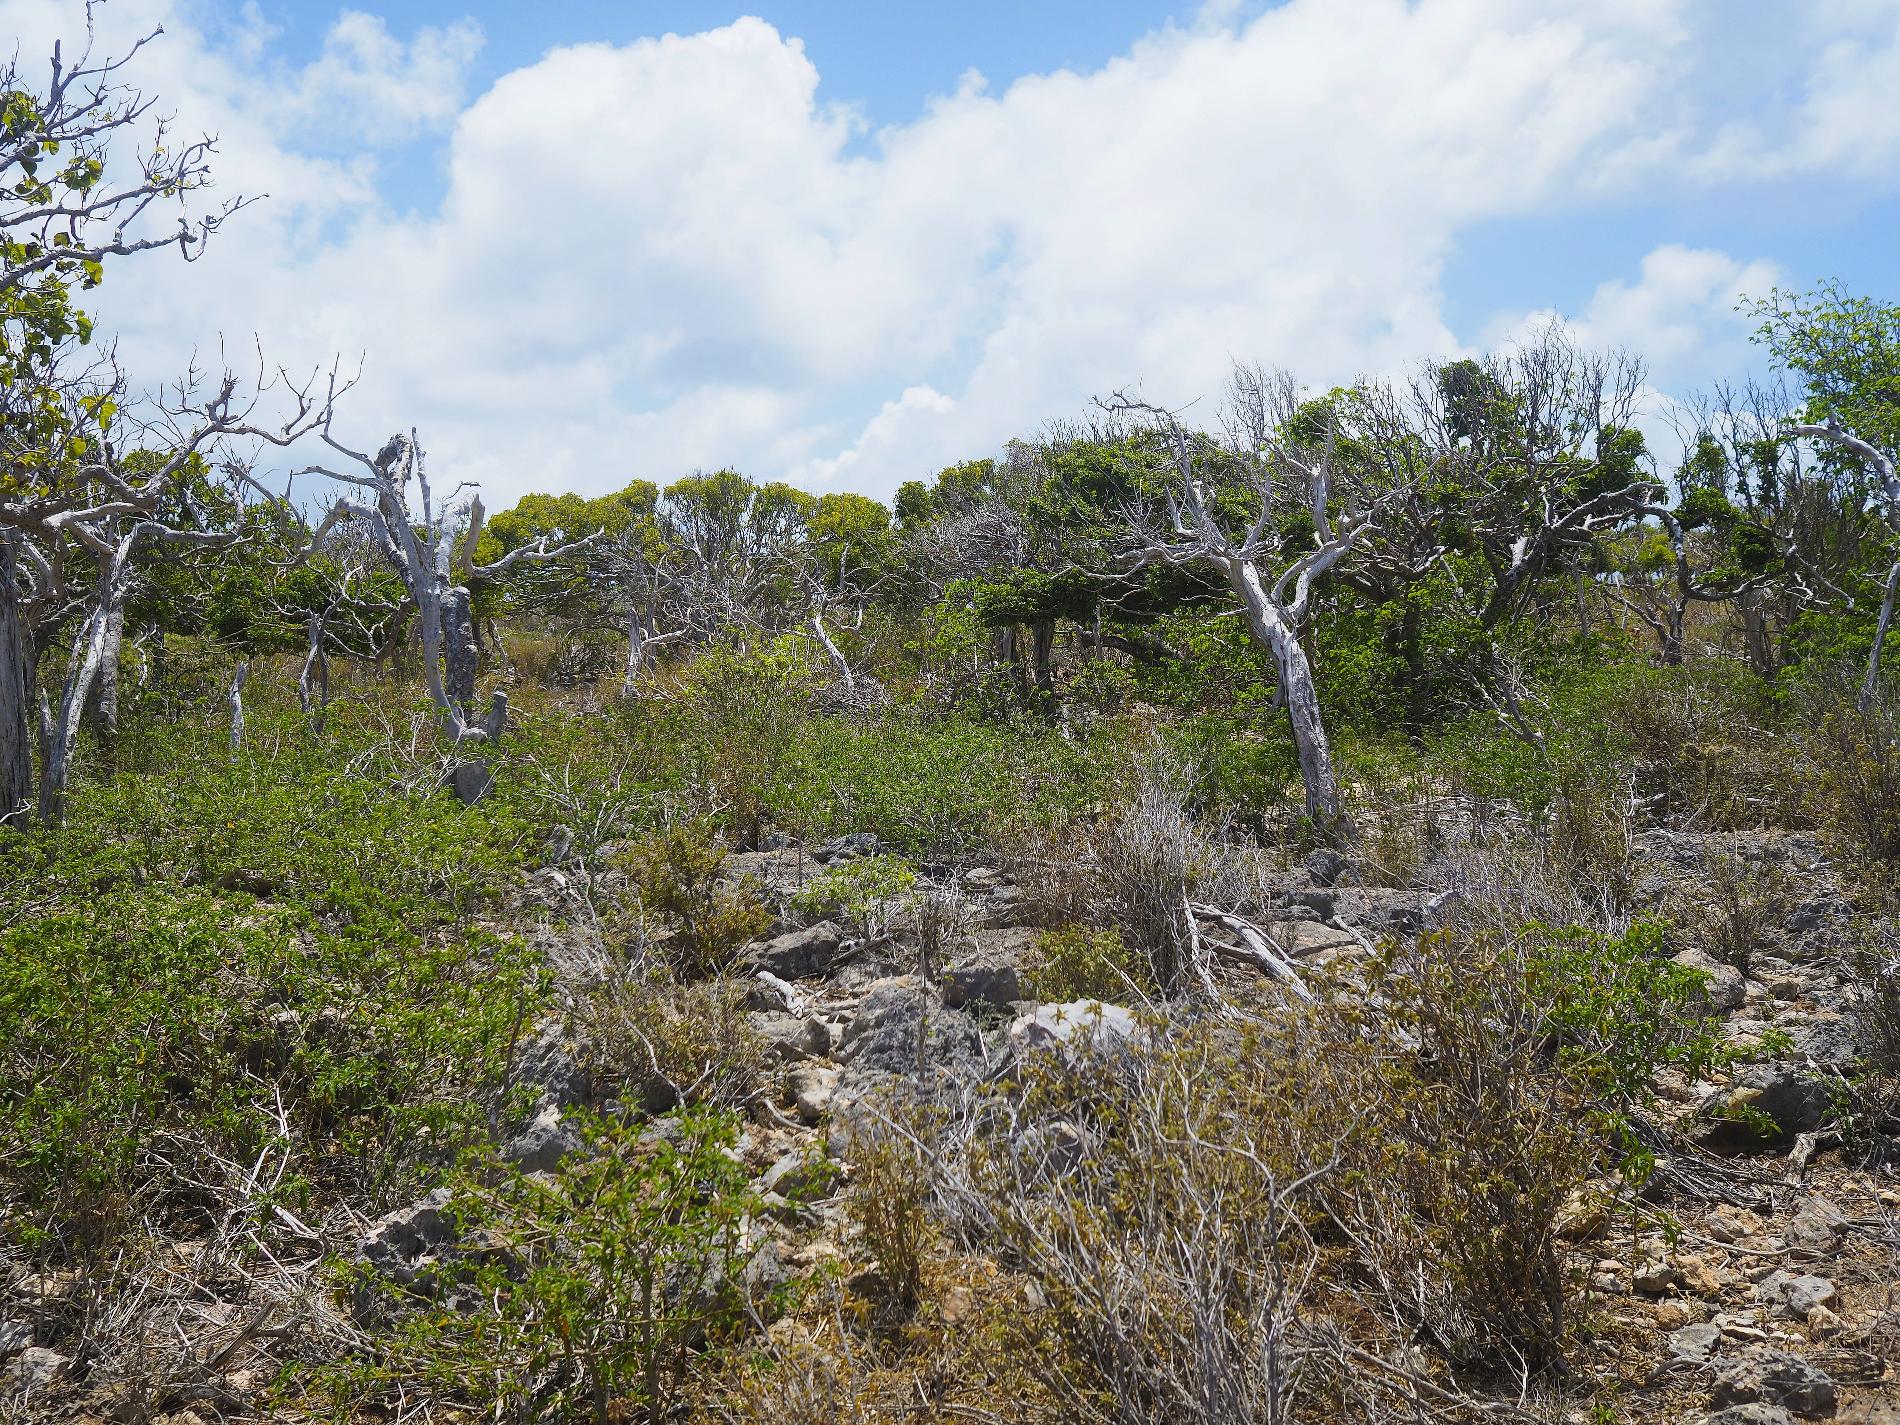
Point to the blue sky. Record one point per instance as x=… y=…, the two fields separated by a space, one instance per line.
x=804 y=244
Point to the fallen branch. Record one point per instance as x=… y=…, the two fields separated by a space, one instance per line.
x=1254 y=948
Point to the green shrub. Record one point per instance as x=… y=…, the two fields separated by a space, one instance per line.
x=678 y=873
x=663 y=1045
x=200 y=945
x=869 y=893
x=1077 y=962
x=1463 y=1135
x=587 y=1293
x=1852 y=761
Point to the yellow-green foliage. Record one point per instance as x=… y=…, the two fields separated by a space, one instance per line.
x=1078 y=962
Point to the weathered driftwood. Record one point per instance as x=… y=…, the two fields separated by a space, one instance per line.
x=1253 y=948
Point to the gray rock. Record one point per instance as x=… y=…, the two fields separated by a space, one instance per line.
x=1817 y=1226
x=1795 y=1295
x=852 y=847
x=1763 y=1374
x=792 y=1036
x=15 y=1337
x=1326 y=866
x=32 y=1372
x=893 y=1017
x=398 y=1244
x=1694 y=1342
x=1298 y=939
x=1765 y=1107
x=1082 y=1023
x=765 y=1276
x=800 y=1177
x=550 y=1062
x=806 y=954
x=1723 y=988
x=810 y=1087
x=539 y=1147
x=983 y=981
x=1754 y=1413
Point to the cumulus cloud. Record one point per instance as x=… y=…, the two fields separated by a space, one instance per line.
x=1680 y=315
x=671 y=254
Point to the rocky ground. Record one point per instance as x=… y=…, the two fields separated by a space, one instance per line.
x=1752 y=1279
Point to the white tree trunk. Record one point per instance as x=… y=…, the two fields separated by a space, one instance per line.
x=313 y=679
x=237 y=706
x=1272 y=630
x=16 y=694
x=1872 y=683
x=88 y=653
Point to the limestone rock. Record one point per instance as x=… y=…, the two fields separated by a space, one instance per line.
x=810 y=1088
x=983 y=981
x=32 y=1372
x=806 y=954
x=1795 y=1295
x=1090 y=1023
x=1771 y=1377
x=540 y=1146
x=1765 y=1107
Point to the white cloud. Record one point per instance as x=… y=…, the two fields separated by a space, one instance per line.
x=671 y=254
x=380 y=89
x=1680 y=314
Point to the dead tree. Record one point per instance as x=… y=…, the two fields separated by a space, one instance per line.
x=1270 y=572
x=1889 y=502
x=73 y=198
x=431 y=546
x=108 y=509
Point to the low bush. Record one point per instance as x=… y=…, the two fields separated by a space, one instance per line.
x=871 y=894
x=1078 y=962
x=1852 y=761
x=662 y=1044
x=1161 y=1205
x=706 y=919
x=203 y=958
x=1463 y=1134
x=586 y=1293
x=1736 y=905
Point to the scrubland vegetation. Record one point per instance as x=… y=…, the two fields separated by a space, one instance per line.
x=1379 y=908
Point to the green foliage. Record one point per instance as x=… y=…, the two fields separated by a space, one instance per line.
x=871 y=893
x=1846 y=351
x=662 y=1045
x=207 y=940
x=1621 y=1008
x=677 y=870
x=594 y=1289
x=928 y=786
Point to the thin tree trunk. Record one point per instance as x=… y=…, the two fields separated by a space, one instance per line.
x=1042 y=641
x=1872 y=683
x=1270 y=628
x=236 y=700
x=461 y=653
x=105 y=698
x=639 y=647
x=88 y=652
x=838 y=659
x=16 y=692
x=313 y=679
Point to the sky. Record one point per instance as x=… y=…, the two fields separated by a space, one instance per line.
x=845 y=245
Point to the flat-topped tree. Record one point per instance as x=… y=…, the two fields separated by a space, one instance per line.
x=1256 y=503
